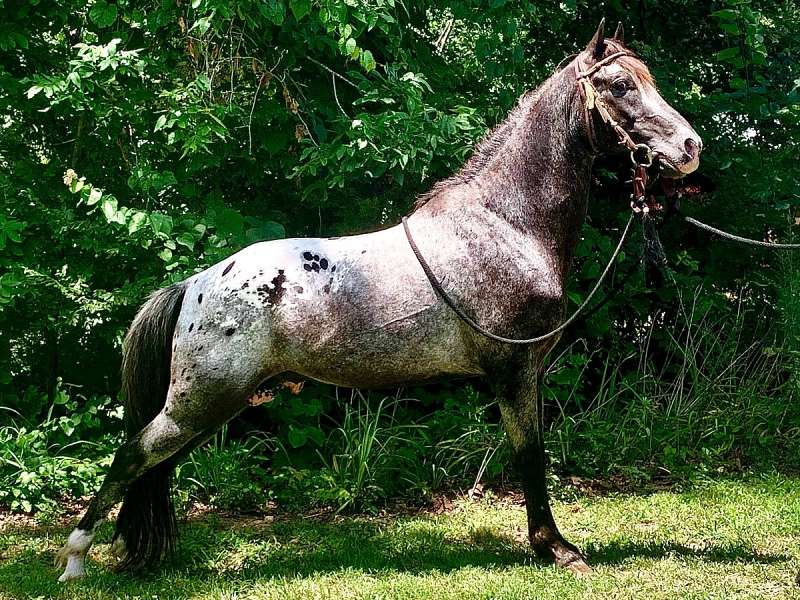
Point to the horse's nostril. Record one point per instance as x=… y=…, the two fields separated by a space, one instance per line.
x=692 y=147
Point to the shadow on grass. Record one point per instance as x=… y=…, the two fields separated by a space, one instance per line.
x=615 y=553
x=217 y=555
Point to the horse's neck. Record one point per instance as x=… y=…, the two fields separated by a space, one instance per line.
x=539 y=180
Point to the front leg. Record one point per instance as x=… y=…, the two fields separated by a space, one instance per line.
x=521 y=406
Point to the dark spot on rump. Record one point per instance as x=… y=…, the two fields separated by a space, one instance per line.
x=200 y=327
x=327 y=288
x=363 y=252
x=183 y=371
x=272 y=296
x=245 y=285
x=191 y=326
x=182 y=394
x=199 y=348
x=308 y=255
x=230 y=331
x=323 y=264
x=333 y=269
x=315 y=266
x=200 y=299
x=298 y=289
x=307 y=267
x=276 y=294
x=316 y=257
x=228 y=268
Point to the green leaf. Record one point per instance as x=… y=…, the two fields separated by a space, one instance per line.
x=94 y=197
x=300 y=8
x=274 y=10
x=165 y=255
x=109 y=207
x=186 y=240
x=368 y=61
x=726 y=13
x=161 y=223
x=297 y=436
x=103 y=14
x=136 y=222
x=229 y=222
x=160 y=122
x=727 y=54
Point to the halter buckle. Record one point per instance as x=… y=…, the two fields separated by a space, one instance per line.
x=643 y=151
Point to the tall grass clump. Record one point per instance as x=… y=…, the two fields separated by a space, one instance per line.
x=715 y=396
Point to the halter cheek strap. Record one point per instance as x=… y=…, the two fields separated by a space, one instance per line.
x=641 y=154
x=593 y=101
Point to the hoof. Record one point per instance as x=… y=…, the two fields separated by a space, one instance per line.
x=576 y=564
x=553 y=547
x=74 y=568
x=118 y=549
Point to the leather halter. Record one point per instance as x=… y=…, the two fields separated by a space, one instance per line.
x=593 y=101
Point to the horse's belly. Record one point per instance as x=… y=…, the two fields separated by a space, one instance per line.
x=401 y=353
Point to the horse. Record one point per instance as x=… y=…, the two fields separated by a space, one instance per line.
x=359 y=311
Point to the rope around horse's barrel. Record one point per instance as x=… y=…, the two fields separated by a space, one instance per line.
x=498 y=338
x=738 y=238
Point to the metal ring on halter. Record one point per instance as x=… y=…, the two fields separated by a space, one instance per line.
x=648 y=155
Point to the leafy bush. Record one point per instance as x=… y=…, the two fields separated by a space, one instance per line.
x=226 y=473
x=64 y=456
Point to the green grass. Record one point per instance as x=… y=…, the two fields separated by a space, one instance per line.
x=722 y=539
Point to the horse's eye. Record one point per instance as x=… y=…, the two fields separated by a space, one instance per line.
x=619 y=88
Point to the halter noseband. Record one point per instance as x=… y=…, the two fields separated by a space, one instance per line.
x=592 y=101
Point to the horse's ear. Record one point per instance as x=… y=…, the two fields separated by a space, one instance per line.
x=598 y=43
x=619 y=34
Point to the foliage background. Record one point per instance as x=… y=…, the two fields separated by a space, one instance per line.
x=143 y=141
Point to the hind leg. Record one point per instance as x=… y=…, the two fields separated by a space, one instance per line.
x=134 y=501
x=159 y=440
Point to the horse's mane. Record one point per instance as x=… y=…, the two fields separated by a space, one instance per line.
x=494 y=139
x=484 y=150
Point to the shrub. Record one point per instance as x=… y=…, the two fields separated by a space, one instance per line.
x=64 y=455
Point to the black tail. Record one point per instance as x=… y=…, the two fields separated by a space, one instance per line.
x=146 y=521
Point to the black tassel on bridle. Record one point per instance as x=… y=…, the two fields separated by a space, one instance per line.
x=653 y=255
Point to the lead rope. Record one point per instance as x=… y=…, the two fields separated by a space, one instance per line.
x=498 y=338
x=738 y=238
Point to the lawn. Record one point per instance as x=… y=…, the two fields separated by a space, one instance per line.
x=722 y=539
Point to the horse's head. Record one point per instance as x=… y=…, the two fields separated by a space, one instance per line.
x=624 y=87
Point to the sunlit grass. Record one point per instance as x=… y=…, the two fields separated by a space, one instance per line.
x=719 y=540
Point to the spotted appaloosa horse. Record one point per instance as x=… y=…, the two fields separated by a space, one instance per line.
x=359 y=311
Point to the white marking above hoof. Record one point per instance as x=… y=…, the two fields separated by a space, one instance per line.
x=72 y=555
x=75 y=569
